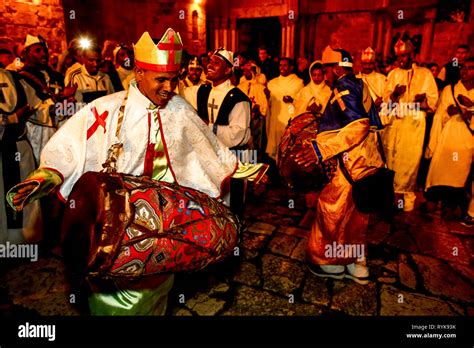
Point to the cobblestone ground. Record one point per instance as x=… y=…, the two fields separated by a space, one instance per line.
x=417 y=267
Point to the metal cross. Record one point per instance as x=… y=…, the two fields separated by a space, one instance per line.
x=212 y=106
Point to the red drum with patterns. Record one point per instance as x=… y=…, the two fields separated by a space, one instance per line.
x=299 y=129
x=118 y=225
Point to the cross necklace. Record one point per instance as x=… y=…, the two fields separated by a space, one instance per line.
x=213 y=106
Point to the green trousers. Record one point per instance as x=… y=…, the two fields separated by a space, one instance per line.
x=120 y=301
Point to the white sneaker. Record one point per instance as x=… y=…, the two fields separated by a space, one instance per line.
x=327 y=271
x=358 y=273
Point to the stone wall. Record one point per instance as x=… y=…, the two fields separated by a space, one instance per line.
x=351 y=31
x=448 y=35
x=355 y=31
x=34 y=17
x=352 y=27
x=125 y=20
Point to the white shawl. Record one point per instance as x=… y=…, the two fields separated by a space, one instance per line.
x=196 y=157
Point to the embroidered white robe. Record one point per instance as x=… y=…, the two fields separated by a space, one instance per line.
x=195 y=156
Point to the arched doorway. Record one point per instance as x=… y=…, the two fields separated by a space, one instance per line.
x=255 y=32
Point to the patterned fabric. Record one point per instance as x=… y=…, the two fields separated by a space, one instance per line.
x=173 y=229
x=301 y=128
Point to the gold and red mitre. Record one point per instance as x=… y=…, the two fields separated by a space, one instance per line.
x=368 y=55
x=403 y=47
x=164 y=56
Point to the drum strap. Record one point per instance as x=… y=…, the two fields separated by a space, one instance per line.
x=110 y=165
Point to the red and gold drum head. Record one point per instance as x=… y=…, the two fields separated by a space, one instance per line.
x=301 y=128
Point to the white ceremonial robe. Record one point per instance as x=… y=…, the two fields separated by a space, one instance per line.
x=255 y=91
x=280 y=112
x=404 y=134
x=451 y=144
x=312 y=93
x=376 y=84
x=195 y=156
x=238 y=131
x=186 y=83
x=40 y=125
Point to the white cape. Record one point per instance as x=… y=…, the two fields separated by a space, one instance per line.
x=196 y=157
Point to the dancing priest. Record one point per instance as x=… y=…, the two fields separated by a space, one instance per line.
x=160 y=136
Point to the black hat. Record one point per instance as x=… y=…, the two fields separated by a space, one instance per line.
x=346 y=60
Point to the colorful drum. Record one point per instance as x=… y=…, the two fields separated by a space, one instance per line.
x=299 y=129
x=118 y=225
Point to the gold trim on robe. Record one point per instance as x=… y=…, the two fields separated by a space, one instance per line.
x=337 y=219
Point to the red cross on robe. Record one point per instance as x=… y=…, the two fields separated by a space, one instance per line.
x=99 y=121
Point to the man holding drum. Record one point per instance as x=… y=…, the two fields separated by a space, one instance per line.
x=148 y=131
x=344 y=132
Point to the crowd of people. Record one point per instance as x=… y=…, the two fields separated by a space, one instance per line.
x=57 y=114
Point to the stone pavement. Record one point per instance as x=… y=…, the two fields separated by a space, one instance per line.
x=417 y=267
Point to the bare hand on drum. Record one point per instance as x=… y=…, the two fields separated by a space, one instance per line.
x=22 y=194
x=263 y=180
x=260 y=186
x=306 y=157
